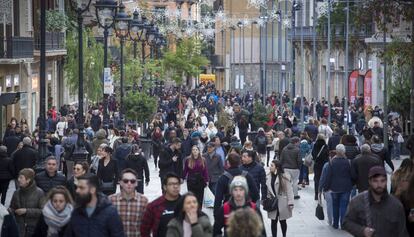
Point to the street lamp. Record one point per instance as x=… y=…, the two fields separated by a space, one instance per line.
x=137 y=30
x=105 y=12
x=122 y=21
x=80 y=7
x=152 y=35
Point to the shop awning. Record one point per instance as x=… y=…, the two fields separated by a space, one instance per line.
x=9 y=98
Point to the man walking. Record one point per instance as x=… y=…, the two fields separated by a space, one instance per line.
x=50 y=178
x=95 y=215
x=129 y=203
x=170 y=159
x=361 y=165
x=375 y=212
x=291 y=162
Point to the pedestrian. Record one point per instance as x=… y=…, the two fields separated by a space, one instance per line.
x=130 y=204
x=279 y=186
x=245 y=223
x=27 y=203
x=223 y=193
x=50 y=178
x=157 y=139
x=196 y=174
x=335 y=139
x=400 y=178
x=254 y=169
x=107 y=172
x=260 y=143
x=396 y=132
x=219 y=148
x=8 y=225
x=6 y=172
x=406 y=199
x=320 y=155
x=56 y=213
x=11 y=141
x=351 y=146
x=94 y=214
x=305 y=148
x=170 y=159
x=100 y=137
x=291 y=162
x=80 y=168
x=161 y=211
x=121 y=153
x=188 y=219
x=339 y=182
x=325 y=129
x=378 y=149
x=139 y=164
x=410 y=144
x=26 y=157
x=239 y=191
x=361 y=165
x=96 y=158
x=215 y=166
x=370 y=213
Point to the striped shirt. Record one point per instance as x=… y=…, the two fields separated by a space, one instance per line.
x=131 y=212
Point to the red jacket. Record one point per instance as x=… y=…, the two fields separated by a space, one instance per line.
x=152 y=216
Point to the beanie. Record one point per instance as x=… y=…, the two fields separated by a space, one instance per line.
x=239 y=181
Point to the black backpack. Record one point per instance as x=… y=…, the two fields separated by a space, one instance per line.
x=261 y=143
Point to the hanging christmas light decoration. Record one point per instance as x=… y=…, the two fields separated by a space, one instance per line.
x=257 y=4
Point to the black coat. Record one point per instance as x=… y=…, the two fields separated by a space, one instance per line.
x=166 y=164
x=9 y=227
x=42 y=228
x=6 y=167
x=11 y=143
x=24 y=158
x=46 y=182
x=138 y=163
x=323 y=156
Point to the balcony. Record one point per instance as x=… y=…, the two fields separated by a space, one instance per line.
x=55 y=43
x=216 y=62
x=338 y=32
x=16 y=47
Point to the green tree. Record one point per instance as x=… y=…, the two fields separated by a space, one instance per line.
x=140 y=106
x=92 y=67
x=260 y=115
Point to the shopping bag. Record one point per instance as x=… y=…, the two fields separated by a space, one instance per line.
x=319 y=209
x=208 y=200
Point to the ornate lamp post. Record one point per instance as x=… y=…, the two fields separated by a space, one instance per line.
x=122 y=21
x=137 y=30
x=105 y=12
x=152 y=35
x=80 y=7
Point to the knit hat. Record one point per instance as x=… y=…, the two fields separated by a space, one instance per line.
x=239 y=181
x=3 y=148
x=28 y=173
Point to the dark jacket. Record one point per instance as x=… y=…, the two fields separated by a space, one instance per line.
x=42 y=228
x=71 y=186
x=120 y=155
x=290 y=157
x=95 y=122
x=215 y=167
x=360 y=167
x=338 y=178
x=24 y=158
x=387 y=216
x=166 y=164
x=11 y=142
x=333 y=142
x=351 y=151
x=138 y=163
x=383 y=154
x=202 y=228
x=6 y=167
x=312 y=131
x=30 y=198
x=9 y=227
x=323 y=155
x=222 y=188
x=410 y=144
x=283 y=143
x=259 y=175
x=46 y=182
x=260 y=143
x=104 y=221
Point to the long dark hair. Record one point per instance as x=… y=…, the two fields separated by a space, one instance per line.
x=280 y=176
x=179 y=212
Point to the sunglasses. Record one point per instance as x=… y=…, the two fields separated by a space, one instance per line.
x=132 y=181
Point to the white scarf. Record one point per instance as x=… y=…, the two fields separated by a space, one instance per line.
x=56 y=220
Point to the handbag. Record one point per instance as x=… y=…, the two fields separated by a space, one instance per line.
x=107 y=186
x=308 y=160
x=400 y=138
x=271 y=204
x=319 y=209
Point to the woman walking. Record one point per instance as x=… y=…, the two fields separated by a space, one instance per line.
x=80 y=168
x=107 y=172
x=305 y=147
x=157 y=140
x=55 y=214
x=320 y=154
x=196 y=174
x=278 y=185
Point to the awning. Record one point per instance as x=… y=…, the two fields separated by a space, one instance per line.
x=9 y=98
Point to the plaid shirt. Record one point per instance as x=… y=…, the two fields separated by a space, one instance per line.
x=152 y=217
x=131 y=212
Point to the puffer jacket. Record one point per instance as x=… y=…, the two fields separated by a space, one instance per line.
x=46 y=182
x=259 y=175
x=351 y=151
x=290 y=157
x=6 y=167
x=202 y=228
x=31 y=198
x=383 y=154
x=215 y=167
x=104 y=221
x=138 y=163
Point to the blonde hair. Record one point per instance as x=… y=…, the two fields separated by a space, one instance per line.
x=244 y=222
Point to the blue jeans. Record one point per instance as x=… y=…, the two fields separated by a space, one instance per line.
x=396 y=150
x=328 y=199
x=304 y=174
x=339 y=203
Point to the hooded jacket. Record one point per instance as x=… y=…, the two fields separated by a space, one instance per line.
x=138 y=163
x=383 y=154
x=290 y=157
x=31 y=198
x=360 y=167
x=104 y=221
x=100 y=138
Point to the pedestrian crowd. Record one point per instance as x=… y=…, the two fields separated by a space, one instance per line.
x=233 y=159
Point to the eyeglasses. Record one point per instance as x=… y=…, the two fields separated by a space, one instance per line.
x=173 y=184
x=132 y=181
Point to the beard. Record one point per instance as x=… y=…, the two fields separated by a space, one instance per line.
x=83 y=200
x=378 y=191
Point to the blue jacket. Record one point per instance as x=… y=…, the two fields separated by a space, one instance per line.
x=104 y=221
x=338 y=175
x=259 y=175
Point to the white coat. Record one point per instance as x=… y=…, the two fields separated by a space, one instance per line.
x=285 y=198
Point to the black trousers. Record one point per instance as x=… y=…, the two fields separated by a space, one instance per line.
x=4 y=185
x=198 y=192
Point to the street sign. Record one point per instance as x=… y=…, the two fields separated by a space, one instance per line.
x=108 y=83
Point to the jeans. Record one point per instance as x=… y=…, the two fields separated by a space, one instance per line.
x=294 y=175
x=329 y=211
x=304 y=174
x=396 y=150
x=339 y=204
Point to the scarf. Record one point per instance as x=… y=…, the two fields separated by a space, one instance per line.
x=56 y=220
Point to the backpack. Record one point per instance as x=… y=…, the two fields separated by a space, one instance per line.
x=231 y=177
x=261 y=143
x=227 y=210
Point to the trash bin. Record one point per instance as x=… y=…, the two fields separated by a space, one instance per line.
x=146 y=145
